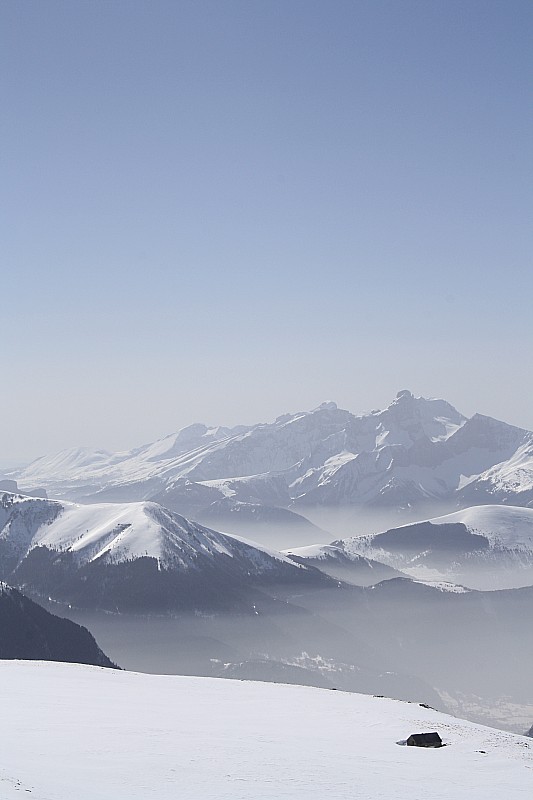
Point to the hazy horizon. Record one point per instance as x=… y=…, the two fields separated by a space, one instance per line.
x=223 y=212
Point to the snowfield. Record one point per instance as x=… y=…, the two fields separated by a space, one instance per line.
x=95 y=734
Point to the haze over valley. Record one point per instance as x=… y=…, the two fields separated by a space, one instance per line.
x=200 y=553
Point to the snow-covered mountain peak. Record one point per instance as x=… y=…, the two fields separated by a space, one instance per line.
x=185 y=440
x=329 y=405
x=508 y=527
x=118 y=532
x=512 y=480
x=316 y=416
x=404 y=394
x=133 y=555
x=491 y=433
x=419 y=417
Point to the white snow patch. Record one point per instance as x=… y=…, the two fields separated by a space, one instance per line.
x=445 y=586
x=314 y=551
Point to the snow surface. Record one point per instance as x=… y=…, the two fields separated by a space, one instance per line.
x=514 y=475
x=320 y=551
x=94 y=734
x=445 y=586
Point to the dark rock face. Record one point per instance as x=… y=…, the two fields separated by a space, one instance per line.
x=28 y=631
x=424 y=740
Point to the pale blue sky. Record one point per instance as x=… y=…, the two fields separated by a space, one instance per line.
x=222 y=211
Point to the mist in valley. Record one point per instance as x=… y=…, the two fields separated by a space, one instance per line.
x=468 y=653
x=429 y=612
x=325 y=524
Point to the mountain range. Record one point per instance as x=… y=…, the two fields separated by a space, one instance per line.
x=484 y=547
x=140 y=533
x=136 y=557
x=414 y=453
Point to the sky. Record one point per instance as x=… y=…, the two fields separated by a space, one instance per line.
x=224 y=210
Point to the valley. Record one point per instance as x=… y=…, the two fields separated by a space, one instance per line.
x=249 y=587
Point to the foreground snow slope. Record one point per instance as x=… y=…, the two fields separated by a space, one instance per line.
x=94 y=734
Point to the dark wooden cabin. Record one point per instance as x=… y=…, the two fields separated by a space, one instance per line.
x=424 y=740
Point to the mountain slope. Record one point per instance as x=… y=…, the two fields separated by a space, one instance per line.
x=143 y=736
x=484 y=547
x=475 y=648
x=135 y=556
x=343 y=564
x=508 y=482
x=28 y=631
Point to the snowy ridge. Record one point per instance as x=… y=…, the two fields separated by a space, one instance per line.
x=316 y=551
x=118 y=533
x=81 y=465
x=145 y=736
x=508 y=481
x=504 y=526
x=483 y=547
x=139 y=557
x=337 y=562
